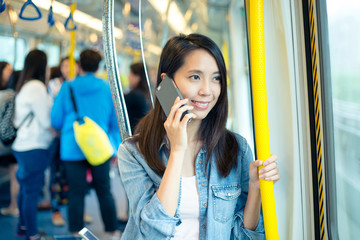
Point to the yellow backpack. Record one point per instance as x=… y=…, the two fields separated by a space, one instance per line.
x=91 y=138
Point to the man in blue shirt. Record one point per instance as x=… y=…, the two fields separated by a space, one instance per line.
x=93 y=99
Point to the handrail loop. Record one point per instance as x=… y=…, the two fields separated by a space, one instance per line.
x=51 y=19
x=23 y=8
x=68 y=21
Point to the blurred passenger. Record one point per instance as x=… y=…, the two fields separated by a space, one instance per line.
x=55 y=195
x=93 y=99
x=55 y=187
x=14 y=78
x=60 y=75
x=7 y=159
x=32 y=105
x=138 y=99
x=5 y=72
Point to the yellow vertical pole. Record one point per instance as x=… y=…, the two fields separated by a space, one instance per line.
x=257 y=58
x=72 y=44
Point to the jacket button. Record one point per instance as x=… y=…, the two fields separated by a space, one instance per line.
x=205 y=205
x=203 y=226
x=203 y=184
x=200 y=162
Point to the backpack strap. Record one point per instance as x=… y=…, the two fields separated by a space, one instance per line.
x=73 y=100
x=78 y=118
x=30 y=114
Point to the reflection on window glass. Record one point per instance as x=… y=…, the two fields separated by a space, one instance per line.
x=344 y=34
x=7 y=53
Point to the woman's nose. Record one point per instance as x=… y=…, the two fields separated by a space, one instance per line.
x=205 y=88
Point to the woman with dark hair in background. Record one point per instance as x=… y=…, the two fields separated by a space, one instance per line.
x=61 y=74
x=138 y=99
x=32 y=105
x=5 y=73
x=6 y=156
x=192 y=179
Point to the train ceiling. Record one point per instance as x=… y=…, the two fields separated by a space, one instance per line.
x=204 y=16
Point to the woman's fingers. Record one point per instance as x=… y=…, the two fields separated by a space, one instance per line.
x=187 y=119
x=271 y=175
x=181 y=111
x=270 y=170
x=271 y=159
x=177 y=104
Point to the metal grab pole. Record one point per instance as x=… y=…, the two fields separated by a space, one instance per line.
x=257 y=58
x=113 y=70
x=72 y=44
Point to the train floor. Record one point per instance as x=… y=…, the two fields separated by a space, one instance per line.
x=45 y=226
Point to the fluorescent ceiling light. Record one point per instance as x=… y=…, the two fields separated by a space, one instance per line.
x=126 y=9
x=175 y=18
x=160 y=5
x=13 y=15
x=79 y=17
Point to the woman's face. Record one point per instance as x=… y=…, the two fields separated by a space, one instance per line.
x=7 y=71
x=65 y=69
x=134 y=80
x=198 y=79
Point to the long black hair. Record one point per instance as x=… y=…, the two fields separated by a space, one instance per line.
x=3 y=65
x=216 y=137
x=34 y=68
x=139 y=70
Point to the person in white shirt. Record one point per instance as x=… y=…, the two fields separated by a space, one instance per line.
x=32 y=105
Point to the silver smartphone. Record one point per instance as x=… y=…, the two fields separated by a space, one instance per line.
x=166 y=93
x=86 y=234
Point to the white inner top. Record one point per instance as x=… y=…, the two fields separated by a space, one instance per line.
x=189 y=210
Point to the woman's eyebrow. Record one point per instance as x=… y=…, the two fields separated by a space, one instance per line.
x=195 y=71
x=200 y=72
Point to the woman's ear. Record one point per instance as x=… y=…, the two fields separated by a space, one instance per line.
x=162 y=76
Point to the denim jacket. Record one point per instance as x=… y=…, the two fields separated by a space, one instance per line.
x=222 y=200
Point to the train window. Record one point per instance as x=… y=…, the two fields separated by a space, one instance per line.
x=52 y=52
x=7 y=53
x=344 y=37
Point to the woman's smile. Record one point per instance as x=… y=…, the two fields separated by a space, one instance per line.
x=200 y=105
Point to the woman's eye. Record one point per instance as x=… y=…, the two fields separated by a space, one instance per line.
x=217 y=78
x=196 y=77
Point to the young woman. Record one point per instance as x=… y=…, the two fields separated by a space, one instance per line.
x=32 y=107
x=192 y=179
x=138 y=99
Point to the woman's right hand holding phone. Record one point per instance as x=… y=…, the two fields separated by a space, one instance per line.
x=176 y=127
x=168 y=191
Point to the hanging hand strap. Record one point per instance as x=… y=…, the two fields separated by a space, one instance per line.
x=26 y=4
x=2 y=6
x=69 y=20
x=51 y=19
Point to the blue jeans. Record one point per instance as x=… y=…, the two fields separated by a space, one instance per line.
x=30 y=175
